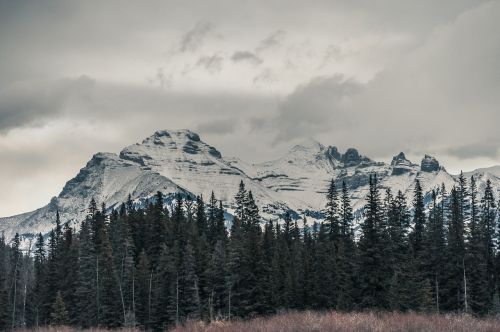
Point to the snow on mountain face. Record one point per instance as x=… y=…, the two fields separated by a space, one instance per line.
x=179 y=161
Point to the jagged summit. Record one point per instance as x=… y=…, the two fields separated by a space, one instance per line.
x=165 y=143
x=401 y=165
x=429 y=164
x=352 y=158
x=399 y=159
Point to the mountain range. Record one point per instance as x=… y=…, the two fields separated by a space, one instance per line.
x=179 y=161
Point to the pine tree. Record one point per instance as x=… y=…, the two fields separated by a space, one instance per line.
x=39 y=289
x=453 y=286
x=164 y=311
x=59 y=315
x=346 y=267
x=217 y=286
x=69 y=271
x=189 y=295
x=4 y=297
x=253 y=273
x=86 y=288
x=417 y=235
x=488 y=226
x=477 y=264
x=323 y=270
x=220 y=227
x=422 y=298
x=307 y=281
x=332 y=213
x=240 y=202
x=235 y=267
x=16 y=260
x=435 y=247
x=372 y=279
x=332 y=218
x=110 y=314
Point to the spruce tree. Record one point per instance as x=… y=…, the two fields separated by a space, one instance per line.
x=111 y=314
x=477 y=265
x=422 y=297
x=453 y=285
x=372 y=279
x=435 y=247
x=16 y=261
x=143 y=280
x=86 y=288
x=346 y=266
x=235 y=266
x=4 y=296
x=488 y=221
x=217 y=286
x=189 y=291
x=59 y=315
x=39 y=289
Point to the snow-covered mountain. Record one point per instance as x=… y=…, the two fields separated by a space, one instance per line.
x=179 y=161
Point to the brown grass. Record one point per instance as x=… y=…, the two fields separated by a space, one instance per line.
x=350 y=322
x=71 y=329
x=333 y=321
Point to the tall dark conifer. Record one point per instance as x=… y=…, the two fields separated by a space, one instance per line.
x=346 y=266
x=476 y=259
x=373 y=283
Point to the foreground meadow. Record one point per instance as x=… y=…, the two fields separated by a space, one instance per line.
x=334 y=321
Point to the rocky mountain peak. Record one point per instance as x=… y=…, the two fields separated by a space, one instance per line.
x=429 y=164
x=168 y=142
x=398 y=159
x=334 y=153
x=401 y=165
x=352 y=158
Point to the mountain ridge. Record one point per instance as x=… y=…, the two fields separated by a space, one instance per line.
x=174 y=161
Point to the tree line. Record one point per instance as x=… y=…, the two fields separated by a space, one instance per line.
x=154 y=267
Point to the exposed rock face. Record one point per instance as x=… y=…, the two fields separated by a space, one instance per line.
x=429 y=164
x=401 y=165
x=333 y=153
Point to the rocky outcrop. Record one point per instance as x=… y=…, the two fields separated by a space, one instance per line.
x=429 y=164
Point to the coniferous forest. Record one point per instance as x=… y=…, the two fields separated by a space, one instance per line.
x=153 y=267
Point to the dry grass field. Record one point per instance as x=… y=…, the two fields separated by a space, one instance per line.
x=350 y=322
x=333 y=321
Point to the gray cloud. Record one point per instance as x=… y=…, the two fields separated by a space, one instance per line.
x=218 y=126
x=211 y=63
x=194 y=38
x=246 y=56
x=34 y=102
x=436 y=100
x=332 y=53
x=487 y=148
x=314 y=108
x=265 y=77
x=274 y=39
x=436 y=90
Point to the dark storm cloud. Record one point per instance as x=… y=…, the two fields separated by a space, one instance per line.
x=246 y=56
x=35 y=102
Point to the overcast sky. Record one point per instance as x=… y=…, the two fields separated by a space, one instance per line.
x=251 y=77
